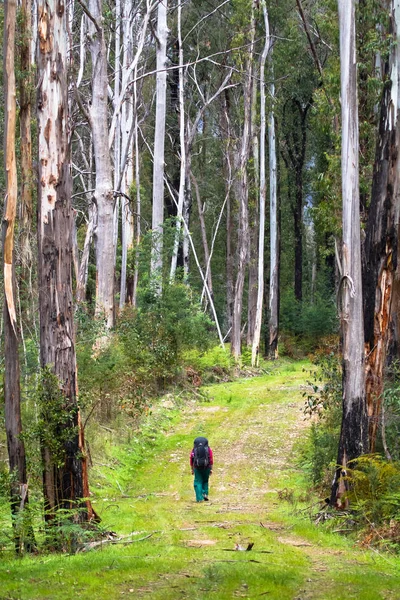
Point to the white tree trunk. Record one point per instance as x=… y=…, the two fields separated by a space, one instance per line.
x=159 y=142
x=126 y=170
x=103 y=195
x=243 y=195
x=354 y=433
x=274 y=231
x=261 y=235
x=138 y=198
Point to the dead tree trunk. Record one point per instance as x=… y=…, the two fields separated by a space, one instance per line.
x=65 y=482
x=354 y=431
x=380 y=256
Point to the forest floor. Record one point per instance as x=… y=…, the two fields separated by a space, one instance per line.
x=169 y=547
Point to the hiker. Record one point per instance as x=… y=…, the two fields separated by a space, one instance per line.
x=201 y=463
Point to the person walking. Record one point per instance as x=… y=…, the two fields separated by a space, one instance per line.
x=201 y=463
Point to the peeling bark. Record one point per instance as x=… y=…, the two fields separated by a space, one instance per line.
x=65 y=482
x=12 y=394
x=381 y=243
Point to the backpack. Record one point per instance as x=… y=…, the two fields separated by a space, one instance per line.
x=201 y=455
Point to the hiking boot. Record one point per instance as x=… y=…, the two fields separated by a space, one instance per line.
x=205 y=498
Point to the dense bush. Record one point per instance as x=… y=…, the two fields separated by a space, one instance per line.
x=375 y=490
x=309 y=320
x=145 y=352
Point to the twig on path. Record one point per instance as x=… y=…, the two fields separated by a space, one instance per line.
x=253 y=560
x=92 y=545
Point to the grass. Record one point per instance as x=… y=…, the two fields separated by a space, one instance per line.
x=178 y=549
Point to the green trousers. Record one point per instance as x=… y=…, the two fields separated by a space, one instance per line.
x=201 y=483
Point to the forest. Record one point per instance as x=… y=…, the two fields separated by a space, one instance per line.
x=201 y=210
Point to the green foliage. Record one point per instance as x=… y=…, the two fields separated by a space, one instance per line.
x=375 y=489
x=69 y=532
x=323 y=401
x=56 y=423
x=145 y=352
x=213 y=365
x=156 y=334
x=391 y=401
x=309 y=320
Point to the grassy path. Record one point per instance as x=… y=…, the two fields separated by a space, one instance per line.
x=179 y=549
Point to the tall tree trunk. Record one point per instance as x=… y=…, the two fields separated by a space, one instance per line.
x=65 y=482
x=254 y=220
x=381 y=241
x=261 y=233
x=187 y=210
x=207 y=257
x=12 y=394
x=26 y=208
x=354 y=431
x=228 y=176
x=83 y=272
x=159 y=143
x=295 y=124
x=243 y=242
x=126 y=168
x=103 y=194
x=138 y=197
x=182 y=145
x=274 y=234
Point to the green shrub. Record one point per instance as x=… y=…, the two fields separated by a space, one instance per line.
x=310 y=321
x=375 y=489
x=323 y=402
x=391 y=401
x=144 y=354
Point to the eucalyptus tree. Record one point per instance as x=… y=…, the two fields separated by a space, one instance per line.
x=262 y=196
x=381 y=243
x=65 y=481
x=354 y=430
x=243 y=192
x=25 y=94
x=12 y=391
x=103 y=196
x=159 y=143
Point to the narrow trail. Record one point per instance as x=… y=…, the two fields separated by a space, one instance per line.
x=253 y=427
x=175 y=548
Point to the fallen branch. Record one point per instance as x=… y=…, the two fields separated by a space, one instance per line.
x=92 y=545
